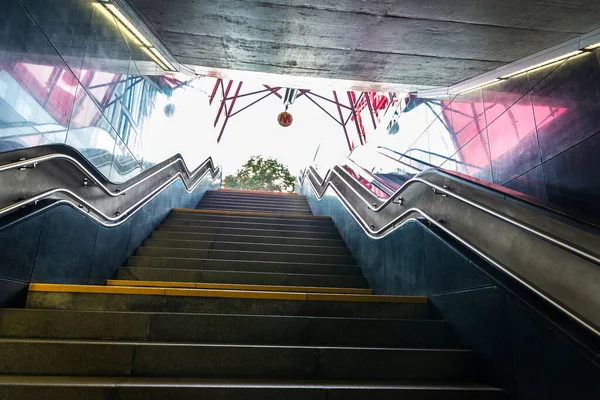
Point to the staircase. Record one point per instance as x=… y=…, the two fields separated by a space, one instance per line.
x=249 y=296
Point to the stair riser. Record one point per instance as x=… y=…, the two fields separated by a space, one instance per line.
x=200 y=216
x=249 y=278
x=154 y=392
x=263 y=209
x=254 y=203
x=80 y=359
x=212 y=305
x=249 y=232
x=256 y=197
x=240 y=246
x=245 y=225
x=245 y=256
x=242 y=266
x=238 y=329
x=164 y=235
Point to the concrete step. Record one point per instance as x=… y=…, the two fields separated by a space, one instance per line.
x=250 y=232
x=242 y=265
x=306 y=227
x=273 y=208
x=332 y=259
x=166 y=235
x=196 y=360
x=245 y=246
x=253 y=202
x=300 y=220
x=70 y=388
x=254 y=196
x=237 y=277
x=234 y=286
x=265 y=209
x=223 y=328
x=219 y=302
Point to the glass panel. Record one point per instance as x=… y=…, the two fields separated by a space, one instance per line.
x=124 y=166
x=91 y=134
x=36 y=89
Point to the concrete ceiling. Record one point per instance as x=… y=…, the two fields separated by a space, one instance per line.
x=410 y=42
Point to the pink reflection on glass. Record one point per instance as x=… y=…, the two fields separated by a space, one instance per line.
x=511 y=125
x=50 y=86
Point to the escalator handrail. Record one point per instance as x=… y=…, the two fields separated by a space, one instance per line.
x=79 y=203
x=421 y=178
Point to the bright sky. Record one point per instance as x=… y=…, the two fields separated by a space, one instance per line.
x=254 y=131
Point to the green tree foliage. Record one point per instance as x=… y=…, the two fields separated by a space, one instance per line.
x=259 y=173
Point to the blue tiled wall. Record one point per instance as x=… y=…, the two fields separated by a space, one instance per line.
x=61 y=245
x=518 y=351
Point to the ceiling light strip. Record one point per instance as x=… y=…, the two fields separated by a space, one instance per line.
x=530 y=68
x=137 y=36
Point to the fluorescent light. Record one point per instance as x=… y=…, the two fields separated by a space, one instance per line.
x=128 y=24
x=481 y=86
x=160 y=56
x=134 y=33
x=593 y=46
x=542 y=64
x=154 y=58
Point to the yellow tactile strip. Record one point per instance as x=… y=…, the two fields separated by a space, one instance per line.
x=247 y=213
x=239 y=294
x=257 y=192
x=234 y=286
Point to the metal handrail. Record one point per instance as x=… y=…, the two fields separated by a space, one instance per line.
x=72 y=160
x=207 y=166
x=419 y=178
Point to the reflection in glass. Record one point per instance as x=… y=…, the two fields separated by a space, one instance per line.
x=120 y=120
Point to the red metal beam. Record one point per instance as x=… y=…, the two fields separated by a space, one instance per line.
x=342 y=119
x=276 y=94
x=214 y=92
x=223 y=103
x=353 y=110
x=228 y=113
x=256 y=101
x=371 y=109
x=302 y=91
x=257 y=92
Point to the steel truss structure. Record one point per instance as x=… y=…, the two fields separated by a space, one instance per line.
x=371 y=102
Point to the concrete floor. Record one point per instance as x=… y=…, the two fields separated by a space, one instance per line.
x=414 y=42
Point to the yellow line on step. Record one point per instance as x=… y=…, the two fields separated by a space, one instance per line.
x=247 y=213
x=239 y=294
x=233 y=286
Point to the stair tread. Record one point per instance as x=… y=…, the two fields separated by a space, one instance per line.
x=224 y=229
x=104 y=342
x=273 y=240
x=165 y=291
x=249 y=252
x=246 y=261
x=232 y=271
x=274 y=383
x=229 y=286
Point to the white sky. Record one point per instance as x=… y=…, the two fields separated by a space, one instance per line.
x=254 y=131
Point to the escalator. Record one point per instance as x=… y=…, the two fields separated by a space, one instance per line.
x=370 y=283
